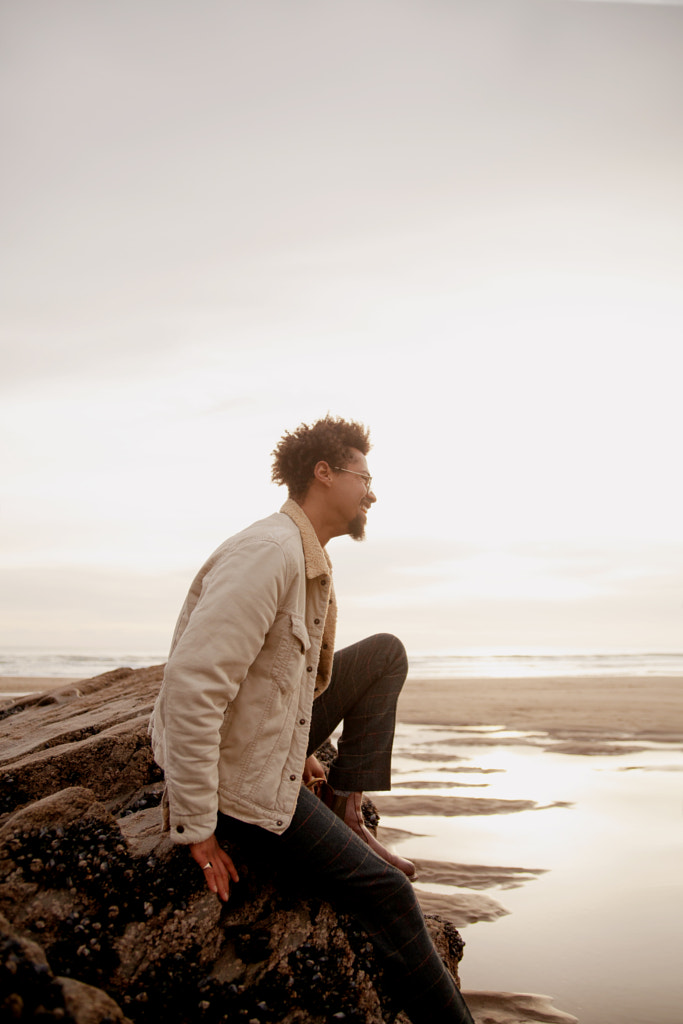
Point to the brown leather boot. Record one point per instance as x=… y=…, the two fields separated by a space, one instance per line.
x=349 y=809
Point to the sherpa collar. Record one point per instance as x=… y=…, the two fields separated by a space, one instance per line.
x=318 y=562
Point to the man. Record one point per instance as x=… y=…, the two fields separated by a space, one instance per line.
x=253 y=687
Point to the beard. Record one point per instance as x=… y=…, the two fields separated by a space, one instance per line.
x=356 y=528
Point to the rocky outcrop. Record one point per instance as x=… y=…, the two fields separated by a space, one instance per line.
x=103 y=919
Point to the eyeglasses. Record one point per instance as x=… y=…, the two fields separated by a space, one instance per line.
x=366 y=476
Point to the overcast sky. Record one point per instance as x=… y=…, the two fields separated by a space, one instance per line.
x=460 y=222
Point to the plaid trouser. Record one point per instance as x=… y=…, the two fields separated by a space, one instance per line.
x=333 y=862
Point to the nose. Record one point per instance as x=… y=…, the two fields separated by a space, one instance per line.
x=372 y=497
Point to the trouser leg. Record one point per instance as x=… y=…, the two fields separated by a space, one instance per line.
x=366 y=681
x=330 y=861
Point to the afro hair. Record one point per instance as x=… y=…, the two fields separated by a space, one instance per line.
x=327 y=440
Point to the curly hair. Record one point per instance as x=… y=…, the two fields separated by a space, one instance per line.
x=327 y=440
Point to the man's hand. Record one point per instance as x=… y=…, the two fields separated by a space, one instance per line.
x=217 y=867
x=313 y=770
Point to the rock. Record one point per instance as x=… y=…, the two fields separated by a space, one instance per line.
x=93 y=732
x=88 y=1005
x=27 y=985
x=107 y=920
x=30 y=991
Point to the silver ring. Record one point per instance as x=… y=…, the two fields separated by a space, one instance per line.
x=209 y=865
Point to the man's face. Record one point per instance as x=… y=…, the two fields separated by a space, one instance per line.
x=352 y=494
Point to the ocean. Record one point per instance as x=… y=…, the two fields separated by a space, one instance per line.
x=475 y=664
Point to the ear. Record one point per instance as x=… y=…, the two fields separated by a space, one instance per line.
x=322 y=473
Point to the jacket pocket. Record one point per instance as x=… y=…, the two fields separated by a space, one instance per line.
x=300 y=632
x=291 y=655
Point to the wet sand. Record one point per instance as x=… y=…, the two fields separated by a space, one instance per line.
x=31 y=684
x=586 y=707
x=588 y=717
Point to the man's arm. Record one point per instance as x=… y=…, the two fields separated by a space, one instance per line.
x=225 y=634
x=217 y=866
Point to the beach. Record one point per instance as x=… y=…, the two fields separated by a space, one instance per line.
x=20 y=685
x=584 y=706
x=544 y=818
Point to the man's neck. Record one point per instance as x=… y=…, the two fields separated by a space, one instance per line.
x=320 y=522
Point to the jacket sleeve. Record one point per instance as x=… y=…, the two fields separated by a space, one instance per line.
x=237 y=606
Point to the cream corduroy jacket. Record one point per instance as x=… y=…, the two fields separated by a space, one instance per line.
x=252 y=648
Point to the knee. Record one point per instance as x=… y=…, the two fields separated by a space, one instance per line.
x=394 y=650
x=395 y=890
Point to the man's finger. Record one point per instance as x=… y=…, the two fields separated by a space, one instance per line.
x=217 y=866
x=232 y=870
x=216 y=880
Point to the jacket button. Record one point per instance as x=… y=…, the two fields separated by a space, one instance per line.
x=323 y=583
x=302 y=721
x=278 y=823
x=292 y=778
x=316 y=622
x=325 y=646
x=310 y=668
x=180 y=829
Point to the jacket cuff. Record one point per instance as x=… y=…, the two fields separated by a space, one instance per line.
x=186 y=831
